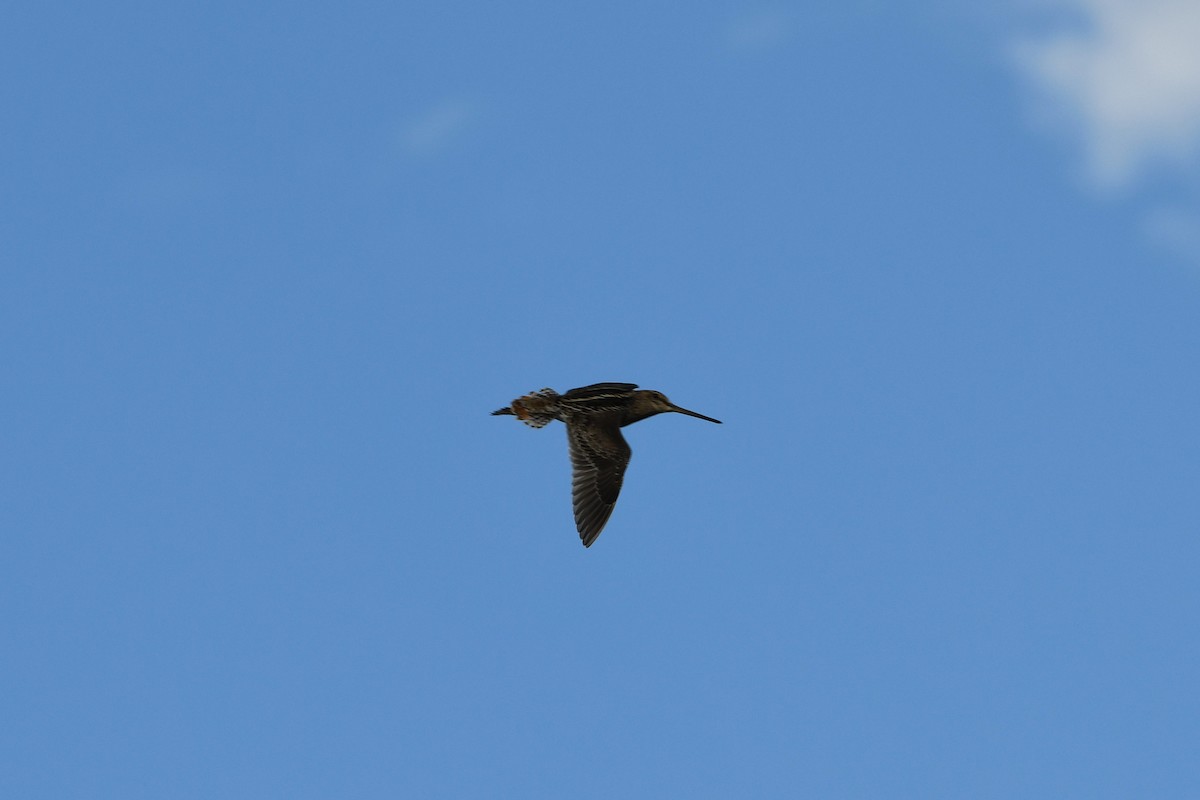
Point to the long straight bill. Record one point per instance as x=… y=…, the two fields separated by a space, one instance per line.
x=693 y=414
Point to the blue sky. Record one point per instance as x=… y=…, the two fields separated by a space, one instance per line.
x=268 y=268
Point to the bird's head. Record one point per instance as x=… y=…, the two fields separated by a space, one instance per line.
x=649 y=402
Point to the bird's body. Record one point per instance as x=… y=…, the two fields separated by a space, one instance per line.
x=594 y=416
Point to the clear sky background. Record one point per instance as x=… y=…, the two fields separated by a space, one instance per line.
x=267 y=268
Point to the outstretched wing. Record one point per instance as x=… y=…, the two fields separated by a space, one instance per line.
x=599 y=456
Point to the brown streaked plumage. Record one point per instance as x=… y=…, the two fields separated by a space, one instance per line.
x=594 y=416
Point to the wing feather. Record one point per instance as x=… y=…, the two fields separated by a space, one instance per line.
x=599 y=456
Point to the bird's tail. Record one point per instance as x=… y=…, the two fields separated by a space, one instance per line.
x=536 y=409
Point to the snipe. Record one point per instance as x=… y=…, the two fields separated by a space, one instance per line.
x=594 y=416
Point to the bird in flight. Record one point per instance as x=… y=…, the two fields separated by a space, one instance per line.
x=594 y=416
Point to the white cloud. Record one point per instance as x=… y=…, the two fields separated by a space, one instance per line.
x=1126 y=83
x=433 y=129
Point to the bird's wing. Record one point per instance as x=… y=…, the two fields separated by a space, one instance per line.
x=599 y=456
x=599 y=398
x=600 y=390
